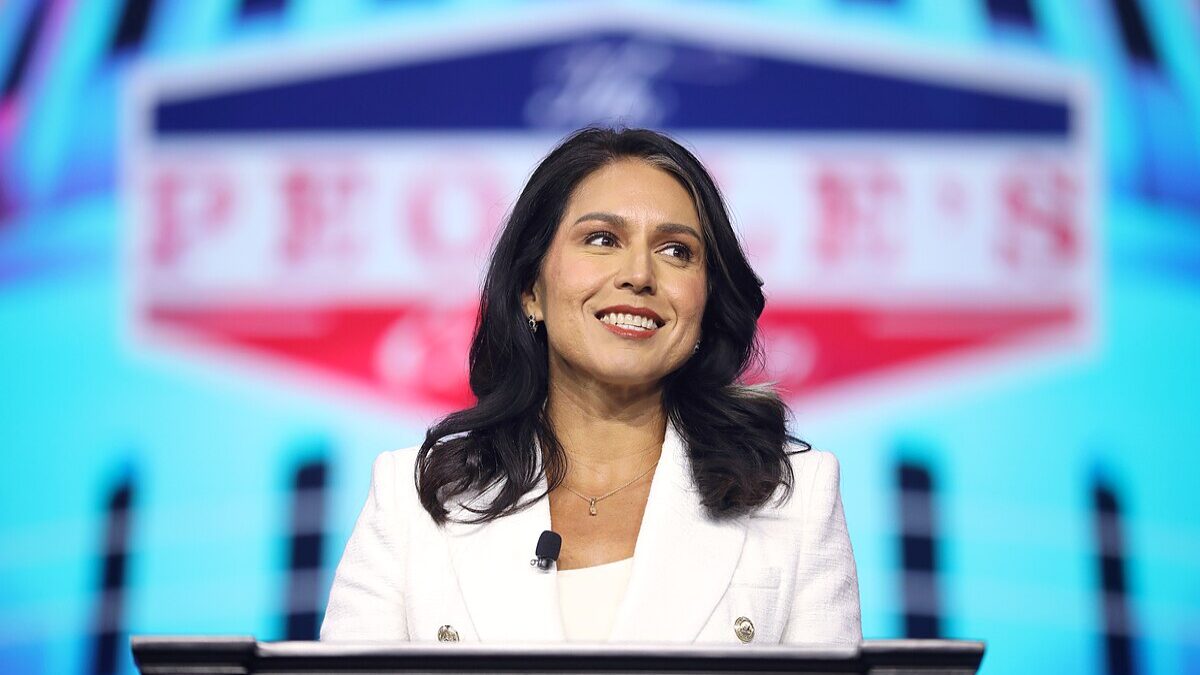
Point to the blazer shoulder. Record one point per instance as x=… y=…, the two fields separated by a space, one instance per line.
x=393 y=474
x=811 y=462
x=814 y=472
x=402 y=458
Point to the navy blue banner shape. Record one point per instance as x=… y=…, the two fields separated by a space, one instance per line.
x=489 y=90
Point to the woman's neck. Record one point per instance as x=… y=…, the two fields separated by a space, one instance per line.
x=609 y=434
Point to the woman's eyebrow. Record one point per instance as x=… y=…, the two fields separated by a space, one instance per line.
x=610 y=218
x=676 y=228
x=617 y=221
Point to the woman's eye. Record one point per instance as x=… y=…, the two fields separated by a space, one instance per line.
x=678 y=251
x=600 y=239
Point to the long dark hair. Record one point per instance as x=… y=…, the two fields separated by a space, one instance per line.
x=736 y=435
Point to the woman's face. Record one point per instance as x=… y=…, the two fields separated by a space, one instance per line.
x=623 y=286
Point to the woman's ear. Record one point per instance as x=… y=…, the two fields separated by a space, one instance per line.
x=529 y=303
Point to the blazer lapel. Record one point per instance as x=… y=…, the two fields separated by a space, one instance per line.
x=683 y=561
x=508 y=599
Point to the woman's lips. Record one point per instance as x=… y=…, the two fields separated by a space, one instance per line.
x=634 y=323
x=631 y=333
x=628 y=312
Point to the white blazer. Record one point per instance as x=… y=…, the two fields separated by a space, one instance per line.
x=788 y=569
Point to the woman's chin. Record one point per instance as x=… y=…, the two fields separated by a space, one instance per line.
x=633 y=378
x=616 y=368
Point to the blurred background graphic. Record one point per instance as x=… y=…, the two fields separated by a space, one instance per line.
x=241 y=241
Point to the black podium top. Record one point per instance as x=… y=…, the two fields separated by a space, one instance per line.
x=238 y=655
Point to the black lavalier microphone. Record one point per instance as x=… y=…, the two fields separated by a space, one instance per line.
x=548 y=546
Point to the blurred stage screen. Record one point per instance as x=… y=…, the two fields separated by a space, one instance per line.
x=241 y=252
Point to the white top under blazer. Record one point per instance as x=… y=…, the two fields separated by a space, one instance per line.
x=589 y=598
x=786 y=570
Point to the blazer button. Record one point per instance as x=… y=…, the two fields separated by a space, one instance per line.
x=447 y=634
x=743 y=628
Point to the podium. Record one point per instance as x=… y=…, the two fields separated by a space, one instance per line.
x=245 y=655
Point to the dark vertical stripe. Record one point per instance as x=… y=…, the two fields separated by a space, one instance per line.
x=1018 y=12
x=1116 y=616
x=305 y=593
x=258 y=7
x=918 y=552
x=20 y=62
x=108 y=644
x=131 y=29
x=1134 y=33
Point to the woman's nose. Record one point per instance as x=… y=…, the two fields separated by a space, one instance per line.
x=637 y=271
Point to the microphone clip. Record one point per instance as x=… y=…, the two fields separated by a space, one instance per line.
x=548 y=547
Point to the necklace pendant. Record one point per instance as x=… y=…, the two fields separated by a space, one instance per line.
x=592 y=506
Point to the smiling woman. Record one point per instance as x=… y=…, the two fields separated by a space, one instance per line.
x=618 y=316
x=622 y=287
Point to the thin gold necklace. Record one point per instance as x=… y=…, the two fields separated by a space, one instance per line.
x=593 y=500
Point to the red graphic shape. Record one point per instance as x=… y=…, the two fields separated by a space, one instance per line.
x=412 y=354
x=843 y=344
x=417 y=355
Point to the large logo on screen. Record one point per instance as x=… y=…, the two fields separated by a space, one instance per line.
x=329 y=213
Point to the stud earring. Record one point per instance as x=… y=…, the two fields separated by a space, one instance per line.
x=532 y=324
x=696 y=349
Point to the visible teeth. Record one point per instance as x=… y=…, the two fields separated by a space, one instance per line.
x=629 y=321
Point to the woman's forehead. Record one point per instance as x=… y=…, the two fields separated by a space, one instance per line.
x=633 y=189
